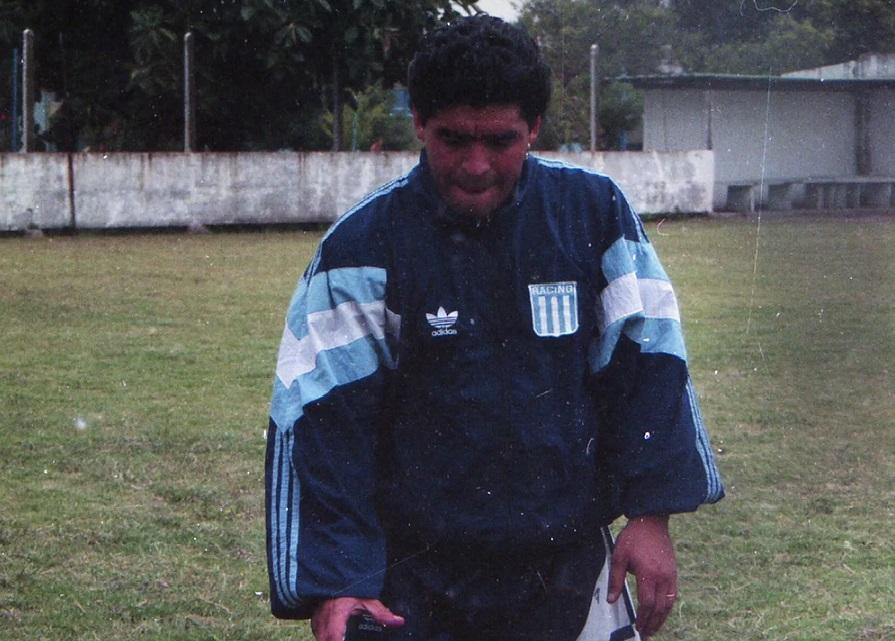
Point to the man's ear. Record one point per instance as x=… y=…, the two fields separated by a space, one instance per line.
x=534 y=131
x=418 y=124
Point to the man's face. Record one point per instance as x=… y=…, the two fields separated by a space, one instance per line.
x=476 y=154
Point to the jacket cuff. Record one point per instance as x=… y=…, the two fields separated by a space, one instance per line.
x=665 y=495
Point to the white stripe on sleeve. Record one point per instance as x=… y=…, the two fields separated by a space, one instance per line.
x=628 y=295
x=328 y=329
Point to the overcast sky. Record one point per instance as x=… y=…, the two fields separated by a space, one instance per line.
x=501 y=8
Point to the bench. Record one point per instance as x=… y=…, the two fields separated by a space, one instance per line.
x=851 y=192
x=741 y=196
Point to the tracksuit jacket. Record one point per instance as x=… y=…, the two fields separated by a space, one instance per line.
x=502 y=386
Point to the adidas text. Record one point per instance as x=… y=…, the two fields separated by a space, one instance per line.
x=444 y=332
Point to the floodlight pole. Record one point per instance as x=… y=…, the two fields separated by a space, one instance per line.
x=14 y=125
x=594 y=97
x=189 y=94
x=28 y=91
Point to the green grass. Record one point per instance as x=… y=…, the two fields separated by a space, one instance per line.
x=147 y=521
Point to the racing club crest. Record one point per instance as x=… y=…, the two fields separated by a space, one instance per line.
x=554 y=308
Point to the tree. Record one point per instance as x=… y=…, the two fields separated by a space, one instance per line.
x=737 y=36
x=372 y=123
x=630 y=34
x=858 y=26
x=79 y=54
x=266 y=69
x=727 y=36
x=307 y=54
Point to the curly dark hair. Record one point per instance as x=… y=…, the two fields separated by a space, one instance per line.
x=477 y=61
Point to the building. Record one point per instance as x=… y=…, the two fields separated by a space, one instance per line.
x=813 y=138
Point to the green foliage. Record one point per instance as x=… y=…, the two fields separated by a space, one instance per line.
x=860 y=26
x=372 y=124
x=729 y=36
x=620 y=109
x=789 y=45
x=755 y=37
x=630 y=36
x=265 y=69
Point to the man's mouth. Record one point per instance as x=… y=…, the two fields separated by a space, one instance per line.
x=474 y=188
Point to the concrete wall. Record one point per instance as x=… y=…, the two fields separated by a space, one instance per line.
x=34 y=191
x=675 y=120
x=868 y=65
x=115 y=190
x=807 y=133
x=128 y=190
x=655 y=182
x=170 y=189
x=882 y=129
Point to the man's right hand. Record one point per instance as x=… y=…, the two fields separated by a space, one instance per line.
x=330 y=619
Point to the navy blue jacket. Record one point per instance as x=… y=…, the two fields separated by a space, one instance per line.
x=502 y=386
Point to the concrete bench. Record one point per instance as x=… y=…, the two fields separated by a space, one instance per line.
x=878 y=195
x=741 y=196
x=780 y=195
x=849 y=193
x=852 y=192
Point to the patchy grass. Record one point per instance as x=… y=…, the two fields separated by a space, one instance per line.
x=134 y=384
x=791 y=330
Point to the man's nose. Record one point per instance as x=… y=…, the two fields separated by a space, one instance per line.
x=477 y=161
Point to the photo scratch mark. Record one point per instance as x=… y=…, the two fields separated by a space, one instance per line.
x=764 y=156
x=768 y=8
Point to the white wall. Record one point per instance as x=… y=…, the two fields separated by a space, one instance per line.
x=675 y=120
x=170 y=189
x=655 y=182
x=117 y=190
x=808 y=134
x=34 y=191
x=781 y=135
x=881 y=131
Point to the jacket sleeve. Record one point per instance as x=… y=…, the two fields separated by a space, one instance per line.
x=323 y=535
x=654 y=451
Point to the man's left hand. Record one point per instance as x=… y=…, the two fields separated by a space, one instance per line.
x=644 y=548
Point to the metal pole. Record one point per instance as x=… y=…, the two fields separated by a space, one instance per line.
x=189 y=94
x=14 y=126
x=28 y=90
x=594 y=97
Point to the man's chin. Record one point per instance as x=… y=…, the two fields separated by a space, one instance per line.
x=481 y=207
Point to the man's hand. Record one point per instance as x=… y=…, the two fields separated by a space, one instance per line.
x=644 y=548
x=330 y=619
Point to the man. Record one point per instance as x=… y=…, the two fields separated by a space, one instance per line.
x=481 y=368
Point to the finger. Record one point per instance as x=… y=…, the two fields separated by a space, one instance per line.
x=664 y=605
x=618 y=569
x=382 y=614
x=333 y=628
x=665 y=595
x=664 y=601
x=330 y=621
x=646 y=604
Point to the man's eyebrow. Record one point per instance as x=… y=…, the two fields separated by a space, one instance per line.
x=453 y=134
x=502 y=138
x=499 y=138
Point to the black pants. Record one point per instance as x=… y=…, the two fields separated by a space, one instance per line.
x=461 y=596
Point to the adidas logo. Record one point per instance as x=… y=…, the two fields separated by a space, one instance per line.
x=443 y=322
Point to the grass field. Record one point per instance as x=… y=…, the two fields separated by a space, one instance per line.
x=134 y=379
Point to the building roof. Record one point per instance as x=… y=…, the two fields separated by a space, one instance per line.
x=732 y=82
